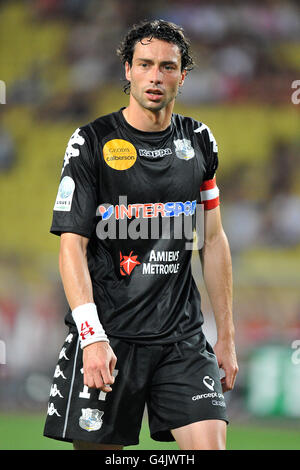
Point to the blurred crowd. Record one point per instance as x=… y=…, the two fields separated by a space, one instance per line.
x=271 y=219
x=243 y=50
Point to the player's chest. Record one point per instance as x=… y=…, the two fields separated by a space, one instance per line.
x=150 y=172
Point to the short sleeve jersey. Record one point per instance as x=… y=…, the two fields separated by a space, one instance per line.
x=135 y=195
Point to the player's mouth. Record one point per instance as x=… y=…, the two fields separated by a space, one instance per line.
x=154 y=94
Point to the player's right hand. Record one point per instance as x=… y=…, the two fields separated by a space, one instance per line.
x=99 y=362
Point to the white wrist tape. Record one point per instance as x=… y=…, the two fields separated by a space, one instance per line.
x=88 y=324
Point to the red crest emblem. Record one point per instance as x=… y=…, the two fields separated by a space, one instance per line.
x=128 y=263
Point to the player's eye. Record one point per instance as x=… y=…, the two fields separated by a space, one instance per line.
x=169 y=67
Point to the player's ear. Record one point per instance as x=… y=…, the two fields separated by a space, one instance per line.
x=183 y=75
x=127 y=71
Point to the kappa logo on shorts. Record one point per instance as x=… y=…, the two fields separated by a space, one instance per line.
x=52 y=410
x=54 y=391
x=59 y=373
x=62 y=354
x=69 y=338
x=91 y=420
x=209 y=382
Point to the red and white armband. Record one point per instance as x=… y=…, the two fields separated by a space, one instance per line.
x=88 y=324
x=209 y=193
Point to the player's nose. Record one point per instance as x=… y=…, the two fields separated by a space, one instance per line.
x=156 y=75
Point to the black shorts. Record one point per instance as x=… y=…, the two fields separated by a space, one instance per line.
x=179 y=383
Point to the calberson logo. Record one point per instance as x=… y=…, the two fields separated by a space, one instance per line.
x=119 y=154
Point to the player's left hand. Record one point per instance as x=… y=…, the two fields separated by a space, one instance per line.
x=226 y=357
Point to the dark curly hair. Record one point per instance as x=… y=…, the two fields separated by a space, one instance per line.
x=158 y=29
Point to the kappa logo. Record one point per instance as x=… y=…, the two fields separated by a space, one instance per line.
x=58 y=373
x=52 y=410
x=54 y=391
x=91 y=420
x=160 y=153
x=62 y=354
x=210 y=134
x=71 y=151
x=128 y=263
x=209 y=382
x=69 y=338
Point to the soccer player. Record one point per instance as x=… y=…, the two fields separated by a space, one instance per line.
x=135 y=323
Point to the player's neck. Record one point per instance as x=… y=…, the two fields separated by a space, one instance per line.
x=147 y=120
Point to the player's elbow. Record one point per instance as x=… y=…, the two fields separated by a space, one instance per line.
x=72 y=247
x=216 y=238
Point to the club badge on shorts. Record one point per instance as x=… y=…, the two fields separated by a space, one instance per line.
x=90 y=420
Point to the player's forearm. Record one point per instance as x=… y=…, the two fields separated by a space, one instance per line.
x=75 y=274
x=78 y=289
x=217 y=274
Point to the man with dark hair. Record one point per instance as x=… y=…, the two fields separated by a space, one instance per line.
x=135 y=321
x=158 y=29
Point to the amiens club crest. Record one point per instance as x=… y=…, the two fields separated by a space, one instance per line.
x=128 y=263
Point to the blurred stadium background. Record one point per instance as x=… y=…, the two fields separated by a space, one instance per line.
x=58 y=62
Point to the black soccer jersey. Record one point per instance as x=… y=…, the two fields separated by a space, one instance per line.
x=135 y=194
